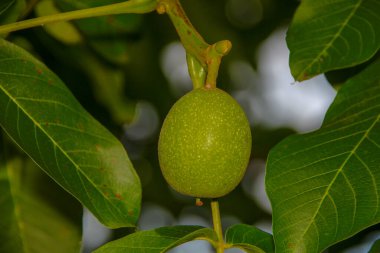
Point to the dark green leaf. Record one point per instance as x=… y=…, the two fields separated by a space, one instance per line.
x=375 y=247
x=64 y=32
x=107 y=35
x=249 y=238
x=27 y=224
x=46 y=121
x=109 y=85
x=157 y=240
x=327 y=35
x=5 y=5
x=10 y=10
x=325 y=186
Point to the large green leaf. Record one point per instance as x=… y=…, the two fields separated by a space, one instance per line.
x=325 y=186
x=327 y=35
x=249 y=238
x=29 y=225
x=158 y=240
x=41 y=115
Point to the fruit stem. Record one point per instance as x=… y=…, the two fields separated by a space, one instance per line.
x=201 y=57
x=131 y=6
x=217 y=226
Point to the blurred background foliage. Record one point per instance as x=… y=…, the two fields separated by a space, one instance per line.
x=128 y=70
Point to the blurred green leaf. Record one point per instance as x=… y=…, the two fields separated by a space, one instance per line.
x=158 y=240
x=325 y=186
x=327 y=35
x=10 y=10
x=250 y=238
x=5 y=5
x=107 y=35
x=29 y=225
x=65 y=32
x=46 y=121
x=109 y=89
x=375 y=247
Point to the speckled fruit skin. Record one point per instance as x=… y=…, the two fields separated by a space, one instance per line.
x=205 y=144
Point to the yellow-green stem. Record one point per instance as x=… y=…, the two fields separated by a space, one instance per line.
x=132 y=6
x=190 y=38
x=215 y=53
x=208 y=57
x=217 y=226
x=196 y=70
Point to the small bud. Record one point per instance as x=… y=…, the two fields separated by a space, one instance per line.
x=198 y=202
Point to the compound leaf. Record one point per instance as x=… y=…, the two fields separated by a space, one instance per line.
x=324 y=186
x=327 y=35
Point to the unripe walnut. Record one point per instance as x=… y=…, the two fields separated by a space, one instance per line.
x=205 y=144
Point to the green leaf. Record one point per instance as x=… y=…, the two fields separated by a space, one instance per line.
x=41 y=115
x=157 y=240
x=108 y=86
x=249 y=238
x=375 y=247
x=65 y=32
x=325 y=186
x=107 y=34
x=5 y=5
x=327 y=35
x=29 y=225
x=10 y=10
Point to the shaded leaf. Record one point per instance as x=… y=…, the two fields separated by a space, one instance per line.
x=5 y=5
x=109 y=89
x=65 y=32
x=107 y=34
x=250 y=238
x=27 y=224
x=10 y=10
x=324 y=186
x=46 y=121
x=327 y=35
x=375 y=247
x=157 y=240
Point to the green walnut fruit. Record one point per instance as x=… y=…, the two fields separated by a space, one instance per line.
x=205 y=144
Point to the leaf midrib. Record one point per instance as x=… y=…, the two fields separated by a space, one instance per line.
x=335 y=37
x=337 y=174
x=56 y=144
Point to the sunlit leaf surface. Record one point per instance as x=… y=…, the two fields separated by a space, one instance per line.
x=250 y=238
x=327 y=35
x=325 y=186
